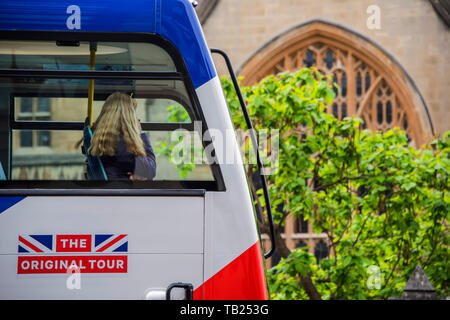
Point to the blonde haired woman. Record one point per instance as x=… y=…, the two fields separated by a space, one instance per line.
x=118 y=140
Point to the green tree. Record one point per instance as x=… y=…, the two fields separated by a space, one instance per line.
x=383 y=204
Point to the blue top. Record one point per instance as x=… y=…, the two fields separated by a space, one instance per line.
x=174 y=20
x=123 y=163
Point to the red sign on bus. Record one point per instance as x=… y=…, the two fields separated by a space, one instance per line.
x=41 y=253
x=73 y=243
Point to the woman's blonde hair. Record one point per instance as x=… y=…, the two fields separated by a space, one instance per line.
x=117 y=117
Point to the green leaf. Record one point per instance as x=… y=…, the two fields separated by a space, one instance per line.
x=322 y=85
x=300 y=268
x=408 y=186
x=346 y=261
x=329 y=95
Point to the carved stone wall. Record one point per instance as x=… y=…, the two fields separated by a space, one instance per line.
x=411 y=32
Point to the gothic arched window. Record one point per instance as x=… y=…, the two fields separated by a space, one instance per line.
x=373 y=86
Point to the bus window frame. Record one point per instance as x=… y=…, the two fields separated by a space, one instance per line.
x=17 y=124
x=68 y=187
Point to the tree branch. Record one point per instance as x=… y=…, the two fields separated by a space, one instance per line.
x=324 y=186
x=309 y=287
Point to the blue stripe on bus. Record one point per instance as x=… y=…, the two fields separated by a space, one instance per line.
x=8 y=202
x=180 y=26
x=174 y=20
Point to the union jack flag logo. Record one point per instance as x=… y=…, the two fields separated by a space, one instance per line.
x=88 y=243
x=35 y=243
x=111 y=243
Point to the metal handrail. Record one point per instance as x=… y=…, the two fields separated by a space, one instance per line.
x=255 y=147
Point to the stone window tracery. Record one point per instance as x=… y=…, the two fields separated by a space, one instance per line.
x=365 y=93
x=370 y=87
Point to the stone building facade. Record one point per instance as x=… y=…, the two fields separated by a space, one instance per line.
x=390 y=58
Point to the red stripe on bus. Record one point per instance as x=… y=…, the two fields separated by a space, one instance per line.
x=29 y=245
x=242 y=279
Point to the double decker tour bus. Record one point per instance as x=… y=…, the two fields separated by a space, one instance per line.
x=66 y=230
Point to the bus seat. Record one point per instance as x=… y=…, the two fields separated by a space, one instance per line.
x=2 y=172
x=95 y=169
